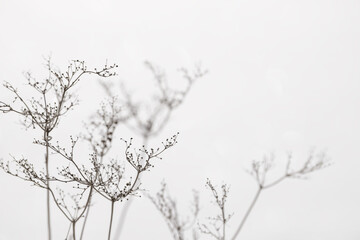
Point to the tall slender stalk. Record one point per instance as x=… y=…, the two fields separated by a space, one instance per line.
x=46 y=135
x=261 y=168
x=247 y=212
x=127 y=205
x=73 y=227
x=85 y=220
x=167 y=100
x=216 y=226
x=111 y=218
x=46 y=115
x=224 y=223
x=88 y=206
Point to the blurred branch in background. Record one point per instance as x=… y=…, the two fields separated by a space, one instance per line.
x=216 y=227
x=261 y=168
x=107 y=177
x=100 y=134
x=168 y=208
x=147 y=123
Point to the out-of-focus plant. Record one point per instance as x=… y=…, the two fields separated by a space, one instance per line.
x=106 y=178
x=110 y=178
x=260 y=169
x=148 y=119
x=216 y=228
x=168 y=208
x=100 y=134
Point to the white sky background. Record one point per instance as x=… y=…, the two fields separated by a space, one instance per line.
x=284 y=75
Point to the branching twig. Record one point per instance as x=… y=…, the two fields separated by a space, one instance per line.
x=260 y=169
x=216 y=227
x=147 y=124
x=168 y=208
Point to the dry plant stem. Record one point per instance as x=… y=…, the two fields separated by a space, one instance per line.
x=46 y=139
x=261 y=168
x=127 y=205
x=68 y=232
x=140 y=160
x=111 y=218
x=47 y=130
x=72 y=219
x=46 y=135
x=85 y=220
x=168 y=208
x=40 y=180
x=73 y=227
x=216 y=226
x=168 y=99
x=88 y=207
x=46 y=115
x=100 y=135
x=86 y=216
x=224 y=221
x=247 y=213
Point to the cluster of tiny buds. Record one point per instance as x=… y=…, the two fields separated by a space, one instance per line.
x=171 y=142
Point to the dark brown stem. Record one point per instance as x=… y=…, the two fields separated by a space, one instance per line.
x=73 y=227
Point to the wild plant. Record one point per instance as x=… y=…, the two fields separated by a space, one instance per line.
x=216 y=227
x=110 y=178
x=176 y=222
x=106 y=179
x=55 y=99
x=148 y=119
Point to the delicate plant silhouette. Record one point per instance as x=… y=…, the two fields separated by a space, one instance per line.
x=149 y=119
x=115 y=180
x=111 y=175
x=100 y=134
x=216 y=227
x=107 y=179
x=260 y=170
x=168 y=208
x=44 y=113
x=101 y=128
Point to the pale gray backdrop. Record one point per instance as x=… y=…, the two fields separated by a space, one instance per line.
x=283 y=75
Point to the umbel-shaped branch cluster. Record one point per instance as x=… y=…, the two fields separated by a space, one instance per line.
x=168 y=208
x=54 y=98
x=148 y=119
x=112 y=179
x=43 y=112
x=103 y=124
x=216 y=227
x=105 y=178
